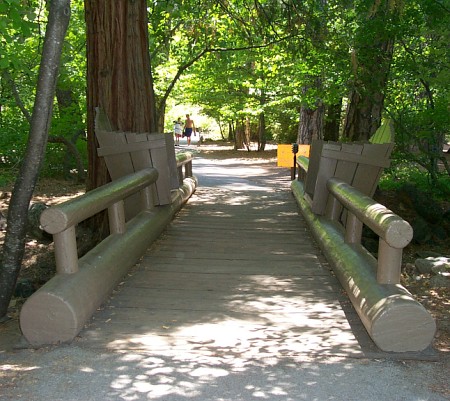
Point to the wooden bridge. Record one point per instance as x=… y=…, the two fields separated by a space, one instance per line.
x=237 y=272
x=233 y=301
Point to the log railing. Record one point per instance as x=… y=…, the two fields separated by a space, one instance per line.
x=392 y=317
x=58 y=310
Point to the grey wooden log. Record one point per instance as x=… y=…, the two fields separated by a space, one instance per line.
x=57 y=312
x=394 y=232
x=382 y=221
x=72 y=212
x=395 y=321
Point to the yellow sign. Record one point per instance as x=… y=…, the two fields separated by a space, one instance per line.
x=285 y=157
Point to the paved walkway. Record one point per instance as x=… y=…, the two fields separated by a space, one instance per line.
x=233 y=302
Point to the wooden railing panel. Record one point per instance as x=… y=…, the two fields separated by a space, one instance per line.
x=129 y=152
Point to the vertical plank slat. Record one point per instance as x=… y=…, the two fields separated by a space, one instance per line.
x=158 y=154
x=367 y=176
x=313 y=167
x=118 y=164
x=345 y=170
x=326 y=170
x=171 y=161
x=141 y=159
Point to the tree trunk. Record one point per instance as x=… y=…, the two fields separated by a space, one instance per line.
x=371 y=60
x=239 y=136
x=119 y=73
x=247 y=133
x=14 y=245
x=231 y=131
x=311 y=124
x=332 y=122
x=262 y=133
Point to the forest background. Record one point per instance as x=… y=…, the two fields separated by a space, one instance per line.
x=267 y=70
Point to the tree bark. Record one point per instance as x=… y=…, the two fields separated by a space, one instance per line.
x=332 y=122
x=262 y=133
x=119 y=73
x=14 y=245
x=371 y=60
x=311 y=124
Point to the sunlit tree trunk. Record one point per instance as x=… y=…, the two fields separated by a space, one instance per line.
x=262 y=132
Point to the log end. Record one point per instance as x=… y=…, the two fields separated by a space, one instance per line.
x=401 y=324
x=48 y=319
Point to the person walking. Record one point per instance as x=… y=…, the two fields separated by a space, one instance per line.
x=189 y=128
x=178 y=129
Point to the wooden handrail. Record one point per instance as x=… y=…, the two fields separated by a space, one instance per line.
x=394 y=232
x=61 y=220
x=184 y=159
x=336 y=203
x=67 y=214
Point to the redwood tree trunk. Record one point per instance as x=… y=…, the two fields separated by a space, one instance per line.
x=119 y=73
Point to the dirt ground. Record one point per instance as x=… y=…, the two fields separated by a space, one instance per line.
x=38 y=265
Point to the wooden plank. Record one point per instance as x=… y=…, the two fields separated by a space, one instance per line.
x=157 y=318
x=313 y=167
x=132 y=146
x=326 y=170
x=118 y=166
x=159 y=161
x=229 y=282
x=213 y=300
x=102 y=122
x=171 y=161
x=233 y=254
x=140 y=157
x=346 y=166
x=370 y=159
x=367 y=177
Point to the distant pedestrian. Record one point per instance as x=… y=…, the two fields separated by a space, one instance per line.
x=178 y=129
x=189 y=128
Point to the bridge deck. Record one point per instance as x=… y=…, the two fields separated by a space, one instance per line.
x=236 y=273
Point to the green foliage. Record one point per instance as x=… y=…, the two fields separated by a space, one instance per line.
x=418 y=96
x=406 y=172
x=21 y=35
x=240 y=58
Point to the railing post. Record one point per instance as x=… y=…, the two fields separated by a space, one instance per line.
x=389 y=263
x=147 y=198
x=116 y=216
x=188 y=169
x=353 y=229
x=334 y=208
x=66 y=254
